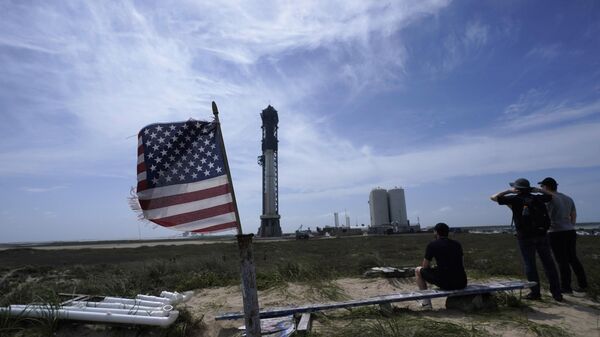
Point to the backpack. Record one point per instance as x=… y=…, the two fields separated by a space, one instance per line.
x=534 y=217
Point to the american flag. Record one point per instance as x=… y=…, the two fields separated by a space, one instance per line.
x=182 y=180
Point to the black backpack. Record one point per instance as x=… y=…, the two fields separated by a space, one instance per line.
x=534 y=217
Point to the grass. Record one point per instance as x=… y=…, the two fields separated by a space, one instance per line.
x=370 y=323
x=29 y=275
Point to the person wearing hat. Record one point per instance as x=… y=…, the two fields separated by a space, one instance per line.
x=449 y=272
x=563 y=217
x=531 y=237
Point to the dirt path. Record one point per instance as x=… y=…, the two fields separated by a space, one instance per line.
x=579 y=317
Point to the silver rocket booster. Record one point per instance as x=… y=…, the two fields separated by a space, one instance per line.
x=269 y=220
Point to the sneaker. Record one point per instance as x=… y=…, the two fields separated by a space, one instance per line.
x=558 y=298
x=532 y=297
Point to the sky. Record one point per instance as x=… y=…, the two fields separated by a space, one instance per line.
x=450 y=100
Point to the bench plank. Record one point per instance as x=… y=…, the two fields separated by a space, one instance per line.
x=398 y=297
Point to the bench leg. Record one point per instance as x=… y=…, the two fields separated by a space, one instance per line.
x=386 y=309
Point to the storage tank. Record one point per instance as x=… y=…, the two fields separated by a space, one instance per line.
x=397 y=206
x=378 y=204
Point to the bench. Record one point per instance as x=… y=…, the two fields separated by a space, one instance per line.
x=472 y=289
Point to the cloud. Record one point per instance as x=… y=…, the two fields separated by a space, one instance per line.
x=545 y=52
x=324 y=166
x=532 y=112
x=460 y=45
x=445 y=209
x=476 y=34
x=85 y=76
x=532 y=99
x=42 y=189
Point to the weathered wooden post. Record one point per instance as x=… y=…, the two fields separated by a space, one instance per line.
x=249 y=292
x=248 y=271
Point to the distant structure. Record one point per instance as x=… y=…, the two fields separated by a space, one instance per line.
x=378 y=203
x=336 y=219
x=269 y=220
x=397 y=206
x=388 y=212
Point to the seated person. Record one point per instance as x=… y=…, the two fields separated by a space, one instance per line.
x=449 y=274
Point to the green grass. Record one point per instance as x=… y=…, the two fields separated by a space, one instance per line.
x=29 y=275
x=369 y=323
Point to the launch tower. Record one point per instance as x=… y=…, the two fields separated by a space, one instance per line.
x=269 y=220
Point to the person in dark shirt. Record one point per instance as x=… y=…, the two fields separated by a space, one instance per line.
x=531 y=241
x=562 y=236
x=449 y=272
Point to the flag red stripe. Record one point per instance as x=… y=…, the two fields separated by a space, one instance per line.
x=142 y=185
x=194 y=216
x=140 y=150
x=216 y=228
x=141 y=167
x=184 y=197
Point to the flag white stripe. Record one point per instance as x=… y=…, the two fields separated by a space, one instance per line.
x=139 y=141
x=142 y=176
x=140 y=159
x=209 y=222
x=187 y=207
x=165 y=191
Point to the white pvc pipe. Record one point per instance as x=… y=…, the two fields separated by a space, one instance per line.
x=94 y=316
x=177 y=297
x=167 y=307
x=132 y=301
x=154 y=298
x=157 y=313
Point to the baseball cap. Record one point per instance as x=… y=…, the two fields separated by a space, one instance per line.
x=549 y=181
x=520 y=183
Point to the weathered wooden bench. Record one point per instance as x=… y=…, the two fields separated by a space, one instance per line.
x=472 y=289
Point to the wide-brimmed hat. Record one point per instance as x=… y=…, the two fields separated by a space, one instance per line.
x=520 y=184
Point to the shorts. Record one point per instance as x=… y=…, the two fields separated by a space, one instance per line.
x=442 y=279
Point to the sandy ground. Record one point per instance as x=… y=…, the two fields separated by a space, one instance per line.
x=578 y=316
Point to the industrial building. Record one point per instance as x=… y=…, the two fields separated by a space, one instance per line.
x=388 y=212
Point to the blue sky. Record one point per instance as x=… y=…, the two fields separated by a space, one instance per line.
x=451 y=100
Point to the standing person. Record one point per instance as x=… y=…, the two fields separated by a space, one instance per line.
x=531 y=221
x=449 y=272
x=563 y=217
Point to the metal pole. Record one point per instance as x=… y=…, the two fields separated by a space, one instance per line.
x=226 y=163
x=248 y=270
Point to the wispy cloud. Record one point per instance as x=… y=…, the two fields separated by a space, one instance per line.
x=339 y=168
x=545 y=52
x=534 y=110
x=461 y=44
x=42 y=189
x=86 y=76
x=476 y=34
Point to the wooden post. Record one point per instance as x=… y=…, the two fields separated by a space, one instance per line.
x=249 y=293
x=248 y=270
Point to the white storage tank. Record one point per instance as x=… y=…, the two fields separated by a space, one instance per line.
x=378 y=204
x=397 y=206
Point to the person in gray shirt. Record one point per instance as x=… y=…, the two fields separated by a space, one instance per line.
x=563 y=217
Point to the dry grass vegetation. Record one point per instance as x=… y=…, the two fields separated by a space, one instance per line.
x=29 y=275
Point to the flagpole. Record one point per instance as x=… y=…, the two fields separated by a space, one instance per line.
x=248 y=271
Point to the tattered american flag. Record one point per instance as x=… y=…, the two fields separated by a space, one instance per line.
x=182 y=180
